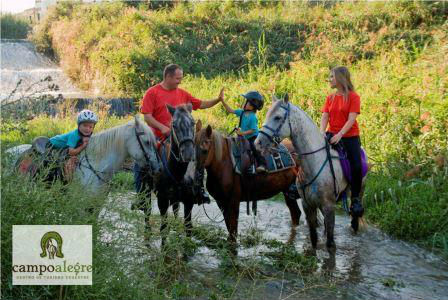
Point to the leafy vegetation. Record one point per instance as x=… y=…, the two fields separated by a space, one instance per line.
x=13 y=27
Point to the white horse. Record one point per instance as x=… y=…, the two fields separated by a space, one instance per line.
x=322 y=187
x=107 y=151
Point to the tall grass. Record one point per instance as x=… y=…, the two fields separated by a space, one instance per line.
x=128 y=262
x=122 y=49
x=13 y=27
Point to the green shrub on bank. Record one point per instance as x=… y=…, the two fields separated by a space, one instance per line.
x=415 y=209
x=13 y=27
x=122 y=50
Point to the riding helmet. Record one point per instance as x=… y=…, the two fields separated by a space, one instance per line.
x=87 y=116
x=254 y=98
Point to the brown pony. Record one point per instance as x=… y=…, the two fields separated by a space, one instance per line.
x=229 y=188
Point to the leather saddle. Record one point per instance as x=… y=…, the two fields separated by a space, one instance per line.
x=39 y=144
x=243 y=154
x=244 y=162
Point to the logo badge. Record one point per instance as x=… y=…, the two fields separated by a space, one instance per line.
x=52 y=255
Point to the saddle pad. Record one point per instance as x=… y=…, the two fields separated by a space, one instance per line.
x=278 y=160
x=345 y=163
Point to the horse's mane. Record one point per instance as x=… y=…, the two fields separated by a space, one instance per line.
x=217 y=139
x=279 y=102
x=102 y=142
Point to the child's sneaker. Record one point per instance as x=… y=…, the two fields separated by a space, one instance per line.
x=261 y=169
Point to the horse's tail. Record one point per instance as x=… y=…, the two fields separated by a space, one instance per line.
x=362 y=223
x=320 y=216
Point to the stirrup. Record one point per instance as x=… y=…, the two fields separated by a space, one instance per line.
x=39 y=144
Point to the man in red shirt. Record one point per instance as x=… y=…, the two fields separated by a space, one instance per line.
x=168 y=92
x=157 y=116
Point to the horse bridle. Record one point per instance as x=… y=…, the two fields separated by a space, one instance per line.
x=179 y=143
x=275 y=136
x=145 y=154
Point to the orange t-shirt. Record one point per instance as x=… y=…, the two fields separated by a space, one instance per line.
x=339 y=109
x=156 y=98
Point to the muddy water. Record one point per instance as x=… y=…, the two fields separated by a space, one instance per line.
x=369 y=265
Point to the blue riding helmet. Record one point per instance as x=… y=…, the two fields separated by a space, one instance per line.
x=254 y=98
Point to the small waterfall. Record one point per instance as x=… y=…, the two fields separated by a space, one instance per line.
x=22 y=64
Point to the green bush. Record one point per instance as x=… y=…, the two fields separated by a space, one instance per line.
x=414 y=209
x=13 y=27
x=124 y=49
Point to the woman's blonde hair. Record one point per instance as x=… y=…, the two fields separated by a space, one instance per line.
x=342 y=76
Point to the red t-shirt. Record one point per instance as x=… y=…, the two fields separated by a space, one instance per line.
x=339 y=109
x=156 y=98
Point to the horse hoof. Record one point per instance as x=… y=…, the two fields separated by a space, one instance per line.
x=331 y=246
x=355 y=224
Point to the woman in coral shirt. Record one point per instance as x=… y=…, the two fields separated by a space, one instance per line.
x=340 y=111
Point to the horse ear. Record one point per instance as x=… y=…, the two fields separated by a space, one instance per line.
x=198 y=125
x=189 y=107
x=286 y=98
x=209 y=131
x=274 y=98
x=171 y=109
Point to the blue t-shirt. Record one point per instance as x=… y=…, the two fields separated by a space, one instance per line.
x=249 y=122
x=67 y=140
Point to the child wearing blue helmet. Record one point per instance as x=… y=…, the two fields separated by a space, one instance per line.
x=248 y=126
x=73 y=142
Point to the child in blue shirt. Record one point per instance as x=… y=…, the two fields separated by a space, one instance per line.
x=73 y=142
x=248 y=126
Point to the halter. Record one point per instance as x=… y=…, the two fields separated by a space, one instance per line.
x=176 y=157
x=275 y=136
x=145 y=154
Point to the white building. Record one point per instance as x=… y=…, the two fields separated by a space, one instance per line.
x=42 y=6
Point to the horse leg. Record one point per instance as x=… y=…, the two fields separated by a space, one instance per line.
x=356 y=217
x=293 y=208
x=143 y=186
x=295 y=212
x=311 y=219
x=188 y=207
x=147 y=211
x=233 y=214
x=147 y=206
x=163 y=207
x=328 y=212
